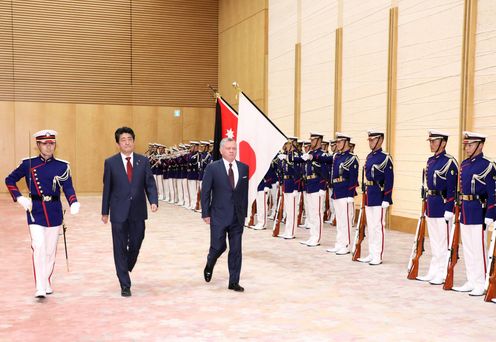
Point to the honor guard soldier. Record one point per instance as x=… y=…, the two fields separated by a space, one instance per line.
x=302 y=166
x=344 y=180
x=193 y=174
x=441 y=175
x=315 y=188
x=290 y=186
x=477 y=211
x=45 y=177
x=379 y=179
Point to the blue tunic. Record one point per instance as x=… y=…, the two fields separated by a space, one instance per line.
x=48 y=177
x=380 y=176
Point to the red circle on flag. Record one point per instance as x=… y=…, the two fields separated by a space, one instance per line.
x=248 y=156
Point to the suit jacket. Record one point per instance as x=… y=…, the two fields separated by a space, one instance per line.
x=124 y=199
x=218 y=200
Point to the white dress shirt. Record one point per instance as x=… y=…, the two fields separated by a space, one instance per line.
x=124 y=161
x=235 y=170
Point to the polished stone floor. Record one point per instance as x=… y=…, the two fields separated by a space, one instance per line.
x=293 y=292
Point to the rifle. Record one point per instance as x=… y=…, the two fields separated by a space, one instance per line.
x=251 y=222
x=362 y=222
x=327 y=210
x=300 y=210
x=198 y=196
x=279 y=212
x=454 y=241
x=418 y=243
x=491 y=270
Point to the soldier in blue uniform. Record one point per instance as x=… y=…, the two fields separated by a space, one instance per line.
x=45 y=177
x=379 y=178
x=291 y=194
x=205 y=159
x=477 y=211
x=344 y=180
x=315 y=188
x=301 y=166
x=193 y=173
x=441 y=175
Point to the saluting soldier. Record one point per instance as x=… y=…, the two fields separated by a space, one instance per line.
x=379 y=179
x=193 y=174
x=45 y=177
x=477 y=211
x=301 y=166
x=315 y=188
x=291 y=194
x=344 y=180
x=441 y=175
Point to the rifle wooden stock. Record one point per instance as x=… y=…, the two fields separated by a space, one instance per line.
x=418 y=244
x=198 y=197
x=327 y=212
x=300 y=210
x=360 y=230
x=491 y=272
x=251 y=222
x=453 y=251
x=280 y=211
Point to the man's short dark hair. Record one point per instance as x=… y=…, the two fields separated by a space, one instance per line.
x=121 y=131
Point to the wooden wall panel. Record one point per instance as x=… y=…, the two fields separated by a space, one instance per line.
x=198 y=124
x=147 y=52
x=282 y=34
x=144 y=126
x=6 y=70
x=429 y=66
x=319 y=23
x=365 y=66
x=484 y=119
x=170 y=127
x=7 y=142
x=232 y=12
x=242 y=50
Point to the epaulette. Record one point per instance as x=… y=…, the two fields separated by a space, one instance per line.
x=62 y=160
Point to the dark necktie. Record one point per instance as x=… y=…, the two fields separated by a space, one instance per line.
x=129 y=169
x=231 y=175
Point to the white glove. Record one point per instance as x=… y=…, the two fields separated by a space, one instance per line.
x=448 y=215
x=75 y=208
x=305 y=156
x=488 y=221
x=384 y=204
x=350 y=199
x=282 y=156
x=25 y=202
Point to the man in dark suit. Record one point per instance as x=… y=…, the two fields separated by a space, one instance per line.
x=127 y=177
x=224 y=202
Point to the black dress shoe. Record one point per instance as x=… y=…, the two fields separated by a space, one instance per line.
x=236 y=287
x=125 y=292
x=207 y=272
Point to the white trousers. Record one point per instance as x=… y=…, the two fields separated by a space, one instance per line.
x=172 y=190
x=193 y=192
x=180 y=192
x=343 y=223
x=262 y=208
x=474 y=253
x=166 y=186
x=376 y=222
x=175 y=195
x=305 y=209
x=439 y=232
x=160 y=189
x=291 y=201
x=184 y=185
x=273 y=197
x=44 y=245
x=315 y=215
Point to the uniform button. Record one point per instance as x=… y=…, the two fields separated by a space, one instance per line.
x=130 y=198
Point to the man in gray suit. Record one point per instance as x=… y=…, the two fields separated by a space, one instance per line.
x=127 y=178
x=224 y=202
